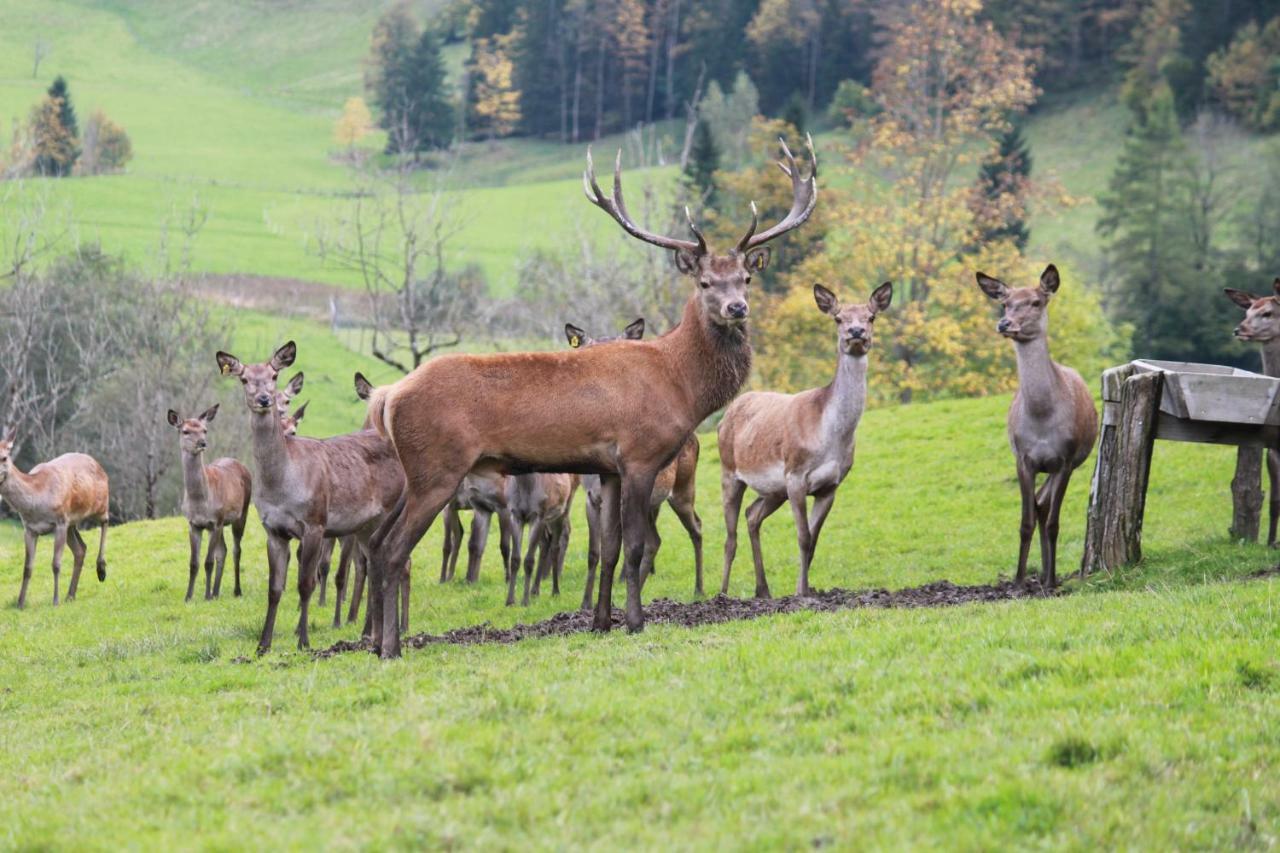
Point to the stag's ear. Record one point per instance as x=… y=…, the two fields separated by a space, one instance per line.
x=229 y=364
x=10 y=436
x=993 y=287
x=881 y=297
x=284 y=356
x=1239 y=297
x=1049 y=279
x=210 y=413
x=294 y=388
x=174 y=420
x=827 y=302
x=575 y=336
x=758 y=259
x=686 y=262
x=302 y=410
x=635 y=331
x=364 y=388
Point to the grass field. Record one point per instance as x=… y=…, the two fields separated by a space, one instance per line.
x=1130 y=713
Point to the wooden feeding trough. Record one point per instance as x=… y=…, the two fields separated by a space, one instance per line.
x=1177 y=401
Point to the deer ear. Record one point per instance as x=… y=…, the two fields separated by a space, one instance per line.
x=1049 y=279
x=173 y=418
x=758 y=259
x=229 y=364
x=210 y=413
x=827 y=302
x=993 y=287
x=881 y=297
x=686 y=262
x=364 y=388
x=1276 y=285
x=284 y=356
x=10 y=436
x=302 y=410
x=635 y=331
x=1239 y=297
x=575 y=336
x=294 y=388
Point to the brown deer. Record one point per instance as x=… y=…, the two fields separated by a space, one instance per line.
x=676 y=484
x=1052 y=421
x=57 y=497
x=633 y=405
x=1261 y=325
x=325 y=561
x=790 y=447
x=485 y=495
x=540 y=502
x=213 y=496
x=310 y=488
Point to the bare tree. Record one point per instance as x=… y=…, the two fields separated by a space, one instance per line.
x=395 y=238
x=1212 y=180
x=39 y=51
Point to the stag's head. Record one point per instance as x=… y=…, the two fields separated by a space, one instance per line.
x=194 y=431
x=1261 y=322
x=579 y=338
x=854 y=322
x=1025 y=316
x=722 y=277
x=259 y=380
x=289 y=423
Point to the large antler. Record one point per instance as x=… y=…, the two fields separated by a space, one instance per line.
x=615 y=207
x=804 y=193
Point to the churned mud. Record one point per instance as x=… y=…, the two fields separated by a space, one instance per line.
x=664 y=611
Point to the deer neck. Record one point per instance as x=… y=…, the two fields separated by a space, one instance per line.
x=847 y=397
x=712 y=360
x=1271 y=357
x=270 y=447
x=195 y=482
x=21 y=491
x=1039 y=383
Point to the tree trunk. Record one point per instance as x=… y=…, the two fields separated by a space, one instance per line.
x=1246 y=494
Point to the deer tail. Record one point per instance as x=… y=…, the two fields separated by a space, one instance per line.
x=377 y=417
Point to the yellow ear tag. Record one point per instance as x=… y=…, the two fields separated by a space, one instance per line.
x=574 y=341
x=226 y=368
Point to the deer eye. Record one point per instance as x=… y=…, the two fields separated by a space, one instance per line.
x=1035 y=303
x=748 y=281
x=703 y=283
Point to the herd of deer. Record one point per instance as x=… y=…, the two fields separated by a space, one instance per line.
x=445 y=438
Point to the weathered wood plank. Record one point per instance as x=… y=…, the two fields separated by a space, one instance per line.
x=1171 y=428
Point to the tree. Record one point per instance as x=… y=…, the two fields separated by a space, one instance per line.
x=106 y=148
x=354 y=124
x=495 y=99
x=704 y=160
x=1155 y=58
x=729 y=118
x=66 y=112
x=54 y=148
x=405 y=78
x=1244 y=77
x=999 y=199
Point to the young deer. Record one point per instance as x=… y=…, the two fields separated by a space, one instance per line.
x=310 y=488
x=485 y=495
x=57 y=497
x=213 y=496
x=1261 y=325
x=632 y=406
x=1052 y=421
x=540 y=502
x=676 y=484
x=788 y=447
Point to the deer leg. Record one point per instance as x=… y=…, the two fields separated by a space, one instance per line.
x=764 y=506
x=345 y=547
x=593 y=552
x=535 y=544
x=481 y=521
x=544 y=548
x=29 y=540
x=102 y=552
x=1027 y=485
x=637 y=521
x=310 y=555
x=389 y=562
x=237 y=533
x=822 y=503
x=220 y=540
x=404 y=595
x=357 y=586
x=693 y=526
x=1273 y=481
x=733 y=490
x=504 y=540
x=804 y=537
x=278 y=569
x=78 y=550
x=610 y=548
x=562 y=549
x=1057 y=490
x=59 y=543
x=324 y=565
x=210 y=557
x=194 y=535
x=452 y=540
x=513 y=567
x=652 y=543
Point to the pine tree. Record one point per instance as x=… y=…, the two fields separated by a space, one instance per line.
x=54 y=148
x=66 y=112
x=1001 y=183
x=429 y=116
x=704 y=160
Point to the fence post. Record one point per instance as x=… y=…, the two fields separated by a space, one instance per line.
x=1246 y=494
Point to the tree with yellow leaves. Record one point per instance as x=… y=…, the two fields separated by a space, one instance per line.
x=355 y=123
x=496 y=100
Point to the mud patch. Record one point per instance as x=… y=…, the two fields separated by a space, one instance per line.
x=722 y=608
x=1268 y=572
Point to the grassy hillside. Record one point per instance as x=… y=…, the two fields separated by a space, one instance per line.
x=129 y=715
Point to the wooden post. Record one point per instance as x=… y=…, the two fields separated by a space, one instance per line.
x=1117 y=499
x=1246 y=494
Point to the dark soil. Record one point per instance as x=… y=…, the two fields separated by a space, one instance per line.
x=664 y=611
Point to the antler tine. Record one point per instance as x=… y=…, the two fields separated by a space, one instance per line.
x=617 y=209
x=745 y=242
x=804 y=192
x=702 y=242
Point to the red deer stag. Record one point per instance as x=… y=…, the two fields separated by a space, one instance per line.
x=1261 y=325
x=621 y=411
x=540 y=502
x=213 y=496
x=676 y=484
x=57 y=497
x=1052 y=421
x=310 y=488
x=788 y=447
